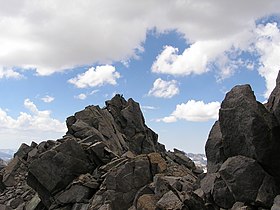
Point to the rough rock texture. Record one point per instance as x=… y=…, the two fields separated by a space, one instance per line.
x=273 y=104
x=108 y=160
x=3 y=164
x=243 y=151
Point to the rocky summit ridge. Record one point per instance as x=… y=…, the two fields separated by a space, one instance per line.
x=110 y=160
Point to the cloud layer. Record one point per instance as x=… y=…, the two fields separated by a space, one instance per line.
x=51 y=36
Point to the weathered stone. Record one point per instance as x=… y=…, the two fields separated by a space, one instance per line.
x=276 y=203
x=4 y=207
x=23 y=151
x=193 y=202
x=75 y=194
x=163 y=184
x=34 y=203
x=100 y=154
x=93 y=121
x=273 y=103
x=147 y=189
x=3 y=164
x=158 y=164
x=131 y=123
x=267 y=191
x=10 y=172
x=243 y=176
x=214 y=149
x=2 y=185
x=123 y=182
x=242 y=206
x=221 y=194
x=169 y=201
x=56 y=168
x=80 y=206
x=15 y=202
x=181 y=158
x=105 y=207
x=147 y=202
x=87 y=180
x=248 y=129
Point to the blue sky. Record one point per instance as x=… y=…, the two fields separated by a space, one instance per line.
x=176 y=58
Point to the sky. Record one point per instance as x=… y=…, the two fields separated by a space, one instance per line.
x=176 y=58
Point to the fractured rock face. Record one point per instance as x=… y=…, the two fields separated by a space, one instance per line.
x=248 y=129
x=243 y=149
x=109 y=159
x=56 y=168
x=273 y=104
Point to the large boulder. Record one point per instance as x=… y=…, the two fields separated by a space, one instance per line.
x=243 y=151
x=247 y=181
x=122 y=183
x=56 y=168
x=248 y=129
x=214 y=149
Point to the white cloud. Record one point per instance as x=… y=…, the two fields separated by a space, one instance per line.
x=81 y=96
x=164 y=89
x=40 y=121
x=148 y=107
x=32 y=125
x=9 y=73
x=193 y=60
x=47 y=99
x=195 y=111
x=268 y=46
x=98 y=76
x=53 y=36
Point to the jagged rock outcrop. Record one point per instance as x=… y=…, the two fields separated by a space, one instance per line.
x=109 y=159
x=243 y=150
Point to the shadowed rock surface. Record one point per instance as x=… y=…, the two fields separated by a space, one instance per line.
x=110 y=160
x=243 y=151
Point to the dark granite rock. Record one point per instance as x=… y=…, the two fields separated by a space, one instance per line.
x=243 y=151
x=273 y=103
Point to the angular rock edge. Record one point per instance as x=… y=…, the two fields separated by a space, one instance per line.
x=242 y=150
x=110 y=160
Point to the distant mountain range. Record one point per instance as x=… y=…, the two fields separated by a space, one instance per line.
x=6 y=154
x=200 y=160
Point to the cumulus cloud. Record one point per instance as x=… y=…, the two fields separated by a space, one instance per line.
x=40 y=35
x=81 y=96
x=164 y=89
x=268 y=47
x=47 y=99
x=193 y=60
x=98 y=76
x=32 y=125
x=195 y=111
x=36 y=120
